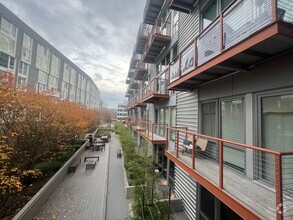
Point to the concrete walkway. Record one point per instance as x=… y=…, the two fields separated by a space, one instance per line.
x=117 y=207
x=92 y=194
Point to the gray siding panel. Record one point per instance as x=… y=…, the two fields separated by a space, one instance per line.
x=187 y=110
x=185 y=188
x=188 y=28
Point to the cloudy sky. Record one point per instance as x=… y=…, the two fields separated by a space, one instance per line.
x=97 y=35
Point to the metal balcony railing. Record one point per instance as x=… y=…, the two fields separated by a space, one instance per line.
x=158 y=86
x=259 y=178
x=158 y=38
x=153 y=131
x=238 y=22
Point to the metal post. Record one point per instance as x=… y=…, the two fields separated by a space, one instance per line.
x=221 y=162
x=279 y=187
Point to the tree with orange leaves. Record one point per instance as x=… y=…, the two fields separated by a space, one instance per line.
x=33 y=128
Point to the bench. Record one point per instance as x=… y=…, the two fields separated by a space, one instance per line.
x=119 y=153
x=186 y=144
x=90 y=164
x=73 y=165
x=84 y=160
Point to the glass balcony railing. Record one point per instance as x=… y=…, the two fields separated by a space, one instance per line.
x=259 y=178
x=238 y=22
x=157 y=87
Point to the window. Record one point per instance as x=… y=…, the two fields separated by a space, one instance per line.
x=276 y=134
x=175 y=22
x=23 y=69
x=209 y=14
x=6 y=61
x=66 y=73
x=53 y=82
x=43 y=77
x=73 y=77
x=27 y=46
x=43 y=58
x=55 y=66
x=21 y=81
x=8 y=34
x=212 y=10
x=173 y=122
x=233 y=128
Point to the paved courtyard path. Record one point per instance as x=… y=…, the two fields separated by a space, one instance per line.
x=117 y=206
x=93 y=194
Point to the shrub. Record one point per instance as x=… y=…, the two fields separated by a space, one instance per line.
x=49 y=167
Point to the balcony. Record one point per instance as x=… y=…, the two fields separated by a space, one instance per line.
x=141 y=70
x=142 y=38
x=152 y=10
x=137 y=101
x=134 y=84
x=134 y=60
x=153 y=133
x=263 y=189
x=131 y=72
x=247 y=33
x=136 y=125
x=185 y=6
x=159 y=37
x=157 y=89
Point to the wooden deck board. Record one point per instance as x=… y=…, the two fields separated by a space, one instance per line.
x=252 y=193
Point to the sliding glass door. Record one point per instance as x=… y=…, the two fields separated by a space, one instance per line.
x=233 y=129
x=277 y=134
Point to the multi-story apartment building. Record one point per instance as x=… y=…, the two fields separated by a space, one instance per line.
x=37 y=63
x=121 y=112
x=211 y=91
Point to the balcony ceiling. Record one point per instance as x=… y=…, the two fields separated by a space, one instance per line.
x=241 y=58
x=156 y=97
x=140 y=74
x=140 y=44
x=155 y=48
x=152 y=10
x=185 y=6
x=133 y=62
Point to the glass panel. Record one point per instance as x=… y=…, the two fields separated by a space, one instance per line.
x=209 y=128
x=209 y=14
x=225 y=3
x=232 y=128
x=277 y=132
x=4 y=59
x=5 y=26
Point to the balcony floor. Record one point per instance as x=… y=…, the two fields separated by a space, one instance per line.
x=250 y=192
x=154 y=139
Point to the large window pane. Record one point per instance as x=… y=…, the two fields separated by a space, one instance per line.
x=225 y=3
x=233 y=129
x=209 y=14
x=209 y=128
x=277 y=133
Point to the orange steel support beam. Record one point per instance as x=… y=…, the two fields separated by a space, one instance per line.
x=279 y=187
x=177 y=142
x=221 y=165
x=246 y=44
x=235 y=205
x=193 y=152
